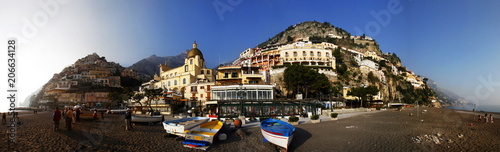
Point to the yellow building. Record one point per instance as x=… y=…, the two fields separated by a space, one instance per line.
x=192 y=71
x=235 y=75
x=99 y=72
x=308 y=54
x=192 y=74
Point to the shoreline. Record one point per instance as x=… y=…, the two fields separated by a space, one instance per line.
x=471 y=107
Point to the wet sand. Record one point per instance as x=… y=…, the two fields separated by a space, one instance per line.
x=383 y=131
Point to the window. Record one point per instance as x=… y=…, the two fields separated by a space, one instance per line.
x=286 y=54
x=312 y=54
x=202 y=72
x=208 y=71
x=294 y=53
x=186 y=69
x=175 y=82
x=191 y=61
x=234 y=74
x=319 y=53
x=201 y=87
x=327 y=54
x=304 y=53
x=226 y=75
x=184 y=81
x=201 y=95
x=168 y=83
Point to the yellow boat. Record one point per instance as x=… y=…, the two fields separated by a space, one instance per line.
x=205 y=132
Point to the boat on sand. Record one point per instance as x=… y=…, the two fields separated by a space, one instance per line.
x=146 y=119
x=205 y=132
x=181 y=126
x=277 y=132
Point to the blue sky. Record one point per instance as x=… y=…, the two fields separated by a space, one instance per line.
x=453 y=42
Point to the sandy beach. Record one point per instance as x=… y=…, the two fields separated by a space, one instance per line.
x=381 y=131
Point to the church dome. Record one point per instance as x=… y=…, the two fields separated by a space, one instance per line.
x=195 y=51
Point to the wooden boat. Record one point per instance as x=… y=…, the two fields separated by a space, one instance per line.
x=146 y=119
x=117 y=111
x=277 y=132
x=181 y=126
x=206 y=132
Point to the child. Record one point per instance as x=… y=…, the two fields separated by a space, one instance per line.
x=485 y=118
x=480 y=118
x=491 y=118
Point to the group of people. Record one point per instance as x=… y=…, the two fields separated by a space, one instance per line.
x=69 y=115
x=487 y=119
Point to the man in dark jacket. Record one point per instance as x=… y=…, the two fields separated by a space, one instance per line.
x=78 y=115
x=56 y=118
x=128 y=117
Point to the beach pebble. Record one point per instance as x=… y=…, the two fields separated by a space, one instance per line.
x=460 y=135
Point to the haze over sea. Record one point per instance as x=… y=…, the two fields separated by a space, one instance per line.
x=485 y=108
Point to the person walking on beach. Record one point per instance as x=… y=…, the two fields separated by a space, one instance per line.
x=128 y=116
x=56 y=118
x=95 y=115
x=69 y=117
x=491 y=118
x=480 y=118
x=102 y=115
x=4 y=119
x=485 y=118
x=78 y=115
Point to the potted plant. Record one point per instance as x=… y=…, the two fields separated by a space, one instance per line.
x=334 y=116
x=315 y=119
x=293 y=120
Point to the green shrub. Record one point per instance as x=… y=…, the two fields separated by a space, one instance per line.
x=334 y=115
x=314 y=117
x=293 y=119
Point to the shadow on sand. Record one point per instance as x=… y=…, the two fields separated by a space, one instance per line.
x=300 y=137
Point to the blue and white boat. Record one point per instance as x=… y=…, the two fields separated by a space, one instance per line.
x=278 y=132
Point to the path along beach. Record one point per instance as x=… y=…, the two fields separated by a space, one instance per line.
x=391 y=130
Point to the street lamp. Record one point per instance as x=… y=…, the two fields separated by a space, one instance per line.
x=240 y=94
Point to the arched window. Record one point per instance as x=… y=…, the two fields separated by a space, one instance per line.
x=191 y=61
x=169 y=83
x=184 y=81
x=175 y=82
x=186 y=69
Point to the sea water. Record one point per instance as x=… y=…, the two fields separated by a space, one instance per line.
x=485 y=108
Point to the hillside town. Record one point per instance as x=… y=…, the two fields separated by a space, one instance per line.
x=251 y=85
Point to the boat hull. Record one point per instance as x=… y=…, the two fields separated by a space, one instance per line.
x=147 y=119
x=277 y=140
x=277 y=132
x=208 y=132
x=118 y=111
x=180 y=126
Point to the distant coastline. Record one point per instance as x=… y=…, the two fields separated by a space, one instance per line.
x=479 y=108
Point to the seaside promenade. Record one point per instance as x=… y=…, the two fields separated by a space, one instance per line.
x=389 y=130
